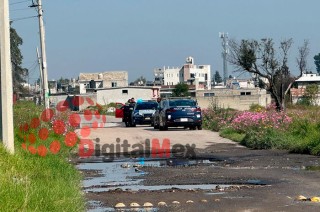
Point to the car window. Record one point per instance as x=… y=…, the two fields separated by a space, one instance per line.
x=147 y=106
x=182 y=102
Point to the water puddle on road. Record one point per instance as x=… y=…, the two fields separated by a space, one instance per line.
x=128 y=175
x=122 y=174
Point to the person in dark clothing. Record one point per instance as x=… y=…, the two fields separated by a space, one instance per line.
x=127 y=112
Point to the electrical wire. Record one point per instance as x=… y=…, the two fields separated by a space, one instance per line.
x=19 y=9
x=19 y=19
x=18 y=2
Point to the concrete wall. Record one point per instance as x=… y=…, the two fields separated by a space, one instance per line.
x=87 y=100
x=232 y=98
x=123 y=94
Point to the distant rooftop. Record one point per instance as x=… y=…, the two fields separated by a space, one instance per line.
x=309 y=78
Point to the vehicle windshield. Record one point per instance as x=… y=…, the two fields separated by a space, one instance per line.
x=147 y=106
x=182 y=102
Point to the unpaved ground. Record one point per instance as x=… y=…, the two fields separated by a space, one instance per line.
x=280 y=176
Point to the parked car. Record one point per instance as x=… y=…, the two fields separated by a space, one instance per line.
x=178 y=112
x=143 y=112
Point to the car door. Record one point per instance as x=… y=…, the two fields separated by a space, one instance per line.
x=119 y=110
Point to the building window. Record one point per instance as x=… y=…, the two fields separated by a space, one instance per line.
x=208 y=94
x=124 y=91
x=114 y=84
x=245 y=93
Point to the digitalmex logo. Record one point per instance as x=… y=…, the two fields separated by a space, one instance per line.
x=56 y=127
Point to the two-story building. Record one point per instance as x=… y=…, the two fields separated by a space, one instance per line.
x=189 y=73
x=110 y=79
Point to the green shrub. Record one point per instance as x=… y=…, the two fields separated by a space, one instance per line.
x=232 y=134
x=256 y=108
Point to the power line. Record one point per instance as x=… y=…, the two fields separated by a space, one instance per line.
x=18 y=2
x=19 y=19
x=20 y=9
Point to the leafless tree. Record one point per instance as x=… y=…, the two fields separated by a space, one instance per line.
x=301 y=60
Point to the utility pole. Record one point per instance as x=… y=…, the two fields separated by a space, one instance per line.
x=7 y=134
x=41 y=77
x=225 y=52
x=43 y=54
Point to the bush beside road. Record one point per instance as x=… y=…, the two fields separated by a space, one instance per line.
x=296 y=130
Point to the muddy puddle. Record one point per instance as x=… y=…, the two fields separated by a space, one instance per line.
x=121 y=175
x=127 y=175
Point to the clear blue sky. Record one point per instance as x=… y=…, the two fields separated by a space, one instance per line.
x=140 y=35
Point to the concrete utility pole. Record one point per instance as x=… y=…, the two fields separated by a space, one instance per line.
x=43 y=56
x=7 y=134
x=225 y=52
x=41 y=76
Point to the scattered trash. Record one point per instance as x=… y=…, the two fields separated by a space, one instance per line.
x=125 y=165
x=175 y=202
x=312 y=199
x=315 y=199
x=138 y=170
x=137 y=166
x=204 y=200
x=301 y=198
x=219 y=188
x=189 y=201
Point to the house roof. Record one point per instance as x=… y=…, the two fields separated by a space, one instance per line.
x=309 y=78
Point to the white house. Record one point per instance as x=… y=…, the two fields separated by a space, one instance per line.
x=198 y=75
x=303 y=81
x=122 y=94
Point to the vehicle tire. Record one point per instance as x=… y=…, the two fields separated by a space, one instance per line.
x=127 y=124
x=192 y=128
x=200 y=127
x=155 y=127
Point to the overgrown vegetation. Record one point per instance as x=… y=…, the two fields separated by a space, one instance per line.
x=297 y=130
x=181 y=89
x=30 y=182
x=108 y=109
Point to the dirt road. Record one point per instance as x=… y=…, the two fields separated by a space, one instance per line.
x=236 y=178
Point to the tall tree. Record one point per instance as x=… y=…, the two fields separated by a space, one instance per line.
x=260 y=58
x=302 y=58
x=217 y=77
x=317 y=62
x=181 y=89
x=311 y=93
x=18 y=72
